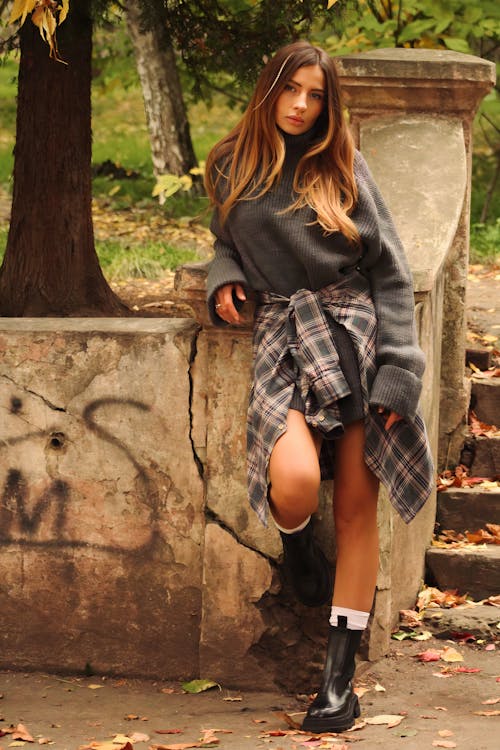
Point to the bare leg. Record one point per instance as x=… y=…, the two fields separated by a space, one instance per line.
x=355 y=513
x=295 y=476
x=294 y=473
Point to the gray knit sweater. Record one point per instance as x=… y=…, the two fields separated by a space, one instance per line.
x=265 y=250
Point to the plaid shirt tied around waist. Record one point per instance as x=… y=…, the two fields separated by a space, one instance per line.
x=293 y=346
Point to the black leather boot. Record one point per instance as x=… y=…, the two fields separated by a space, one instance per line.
x=307 y=568
x=336 y=705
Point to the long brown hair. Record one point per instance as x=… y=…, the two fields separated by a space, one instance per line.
x=248 y=161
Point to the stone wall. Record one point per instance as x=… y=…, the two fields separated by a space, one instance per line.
x=102 y=503
x=126 y=540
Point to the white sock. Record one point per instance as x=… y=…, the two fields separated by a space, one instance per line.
x=356 y=620
x=293 y=531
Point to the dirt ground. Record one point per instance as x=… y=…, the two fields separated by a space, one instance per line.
x=405 y=703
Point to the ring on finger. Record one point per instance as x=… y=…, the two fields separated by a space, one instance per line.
x=217 y=305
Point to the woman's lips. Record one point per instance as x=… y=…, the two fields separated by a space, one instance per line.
x=295 y=120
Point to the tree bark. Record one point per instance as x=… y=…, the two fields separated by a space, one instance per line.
x=171 y=146
x=50 y=266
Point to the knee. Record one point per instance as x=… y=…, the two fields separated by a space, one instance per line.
x=298 y=489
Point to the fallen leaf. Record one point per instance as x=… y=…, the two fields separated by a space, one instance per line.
x=410 y=617
x=198 y=686
x=21 y=733
x=95 y=687
x=180 y=746
x=445 y=733
x=139 y=737
x=429 y=655
x=361 y=690
x=440 y=708
x=495 y=712
x=168 y=731
x=444 y=743
x=467 y=670
x=289 y=720
x=402 y=635
x=379 y=688
x=392 y=720
x=425 y=635
x=490 y=701
x=406 y=733
x=451 y=655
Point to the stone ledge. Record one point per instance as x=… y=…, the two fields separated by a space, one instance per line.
x=415 y=80
x=97 y=325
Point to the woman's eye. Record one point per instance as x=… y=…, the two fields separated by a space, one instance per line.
x=317 y=97
x=288 y=87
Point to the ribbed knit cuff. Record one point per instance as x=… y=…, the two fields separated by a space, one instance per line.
x=396 y=389
x=222 y=272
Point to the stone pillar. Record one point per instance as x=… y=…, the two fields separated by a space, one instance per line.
x=411 y=102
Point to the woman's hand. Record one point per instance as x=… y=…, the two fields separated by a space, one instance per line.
x=224 y=304
x=391 y=417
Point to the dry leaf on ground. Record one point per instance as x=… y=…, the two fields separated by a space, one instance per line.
x=451 y=654
x=431 y=654
x=392 y=720
x=444 y=743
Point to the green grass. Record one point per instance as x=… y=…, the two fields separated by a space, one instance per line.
x=8 y=92
x=485 y=243
x=150 y=261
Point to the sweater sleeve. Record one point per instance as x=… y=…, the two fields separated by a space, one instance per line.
x=400 y=360
x=225 y=267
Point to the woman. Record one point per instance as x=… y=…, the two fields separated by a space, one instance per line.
x=299 y=221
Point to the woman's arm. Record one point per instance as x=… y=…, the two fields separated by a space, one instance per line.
x=400 y=360
x=226 y=280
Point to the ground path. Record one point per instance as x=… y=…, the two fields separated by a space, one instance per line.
x=413 y=704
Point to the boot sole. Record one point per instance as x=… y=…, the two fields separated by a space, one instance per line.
x=341 y=723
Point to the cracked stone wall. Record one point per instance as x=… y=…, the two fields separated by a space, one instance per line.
x=101 y=508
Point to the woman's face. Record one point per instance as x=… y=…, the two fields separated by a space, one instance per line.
x=301 y=102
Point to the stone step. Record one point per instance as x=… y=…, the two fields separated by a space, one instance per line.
x=471 y=570
x=486 y=462
x=467 y=509
x=480 y=620
x=485 y=399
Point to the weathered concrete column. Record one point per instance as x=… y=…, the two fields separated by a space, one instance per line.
x=412 y=113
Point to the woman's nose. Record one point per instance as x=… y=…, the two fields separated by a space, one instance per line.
x=301 y=102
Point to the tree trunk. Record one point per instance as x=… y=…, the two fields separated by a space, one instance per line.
x=171 y=147
x=50 y=266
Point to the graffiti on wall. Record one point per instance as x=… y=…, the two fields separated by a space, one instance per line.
x=48 y=513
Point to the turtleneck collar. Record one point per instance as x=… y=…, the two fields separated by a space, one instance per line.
x=298 y=142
